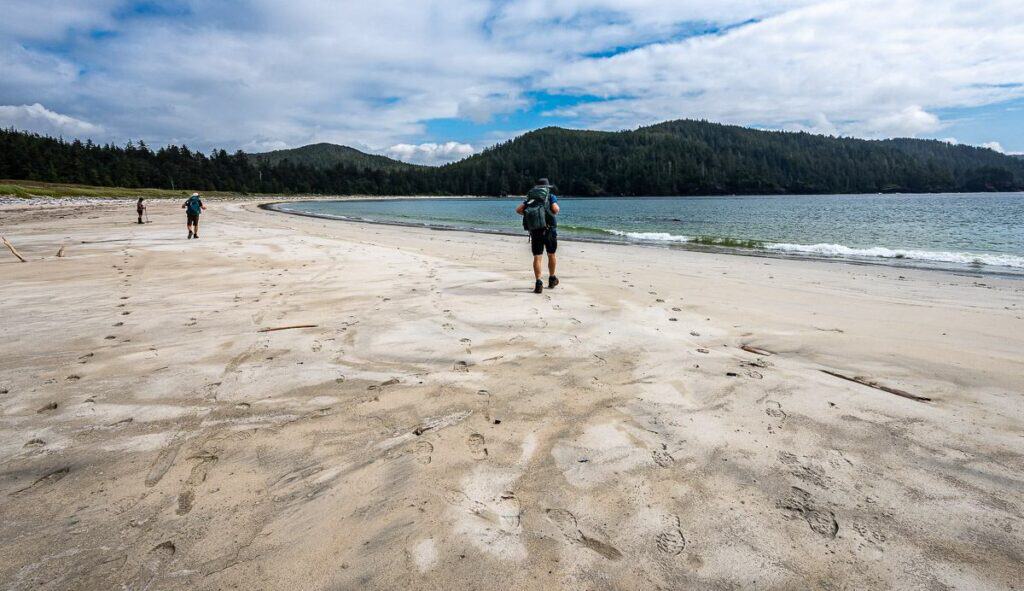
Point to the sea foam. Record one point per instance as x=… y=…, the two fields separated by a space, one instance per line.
x=838 y=250
x=653 y=236
x=841 y=251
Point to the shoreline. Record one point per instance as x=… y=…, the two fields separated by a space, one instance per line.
x=891 y=262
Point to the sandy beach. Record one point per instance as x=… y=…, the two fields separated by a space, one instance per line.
x=664 y=419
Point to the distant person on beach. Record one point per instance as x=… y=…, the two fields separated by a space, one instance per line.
x=140 y=208
x=193 y=207
x=539 y=210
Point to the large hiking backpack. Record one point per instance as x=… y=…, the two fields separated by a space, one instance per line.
x=535 y=214
x=194 y=206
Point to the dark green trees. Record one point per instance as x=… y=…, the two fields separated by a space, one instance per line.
x=673 y=158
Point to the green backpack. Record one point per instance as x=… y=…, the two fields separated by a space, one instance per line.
x=535 y=214
x=194 y=205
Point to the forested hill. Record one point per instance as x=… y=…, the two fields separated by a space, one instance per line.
x=694 y=157
x=674 y=158
x=324 y=156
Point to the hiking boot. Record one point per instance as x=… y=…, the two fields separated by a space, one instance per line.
x=538 y=287
x=190 y=234
x=196 y=235
x=552 y=281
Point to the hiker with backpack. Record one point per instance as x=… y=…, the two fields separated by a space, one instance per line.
x=193 y=207
x=140 y=208
x=539 y=210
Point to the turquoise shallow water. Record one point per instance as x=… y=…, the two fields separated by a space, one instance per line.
x=981 y=232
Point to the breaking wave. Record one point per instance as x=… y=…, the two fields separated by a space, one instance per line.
x=964 y=258
x=653 y=236
x=834 y=250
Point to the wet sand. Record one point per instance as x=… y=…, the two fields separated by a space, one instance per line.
x=661 y=420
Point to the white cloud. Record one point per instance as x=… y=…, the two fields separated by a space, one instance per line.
x=51 y=19
x=998 y=147
x=430 y=153
x=909 y=122
x=819 y=124
x=39 y=119
x=481 y=109
x=255 y=73
x=870 y=67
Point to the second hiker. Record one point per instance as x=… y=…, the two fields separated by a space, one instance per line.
x=193 y=206
x=539 y=210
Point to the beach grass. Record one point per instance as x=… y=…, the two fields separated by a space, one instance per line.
x=29 y=189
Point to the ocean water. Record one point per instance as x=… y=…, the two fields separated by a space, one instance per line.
x=978 y=232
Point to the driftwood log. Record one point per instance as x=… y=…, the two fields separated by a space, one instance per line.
x=13 y=250
x=287 y=327
x=755 y=350
x=877 y=386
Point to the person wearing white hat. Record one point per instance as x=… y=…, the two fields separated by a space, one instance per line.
x=193 y=206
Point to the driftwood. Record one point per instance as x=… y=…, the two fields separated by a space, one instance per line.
x=877 y=386
x=755 y=350
x=287 y=327
x=60 y=252
x=13 y=250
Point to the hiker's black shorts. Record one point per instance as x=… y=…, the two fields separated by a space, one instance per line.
x=193 y=218
x=543 y=239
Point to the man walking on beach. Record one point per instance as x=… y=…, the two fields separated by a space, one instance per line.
x=539 y=210
x=193 y=207
x=140 y=208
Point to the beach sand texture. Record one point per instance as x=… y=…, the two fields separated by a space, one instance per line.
x=441 y=427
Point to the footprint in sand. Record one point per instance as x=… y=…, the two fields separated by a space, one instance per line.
x=185 y=500
x=805 y=470
x=422 y=452
x=163 y=462
x=205 y=461
x=569 y=527
x=476 y=444
x=671 y=541
x=774 y=409
x=165 y=549
x=505 y=510
x=821 y=520
x=46 y=479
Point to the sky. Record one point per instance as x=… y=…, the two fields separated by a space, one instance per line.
x=432 y=81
